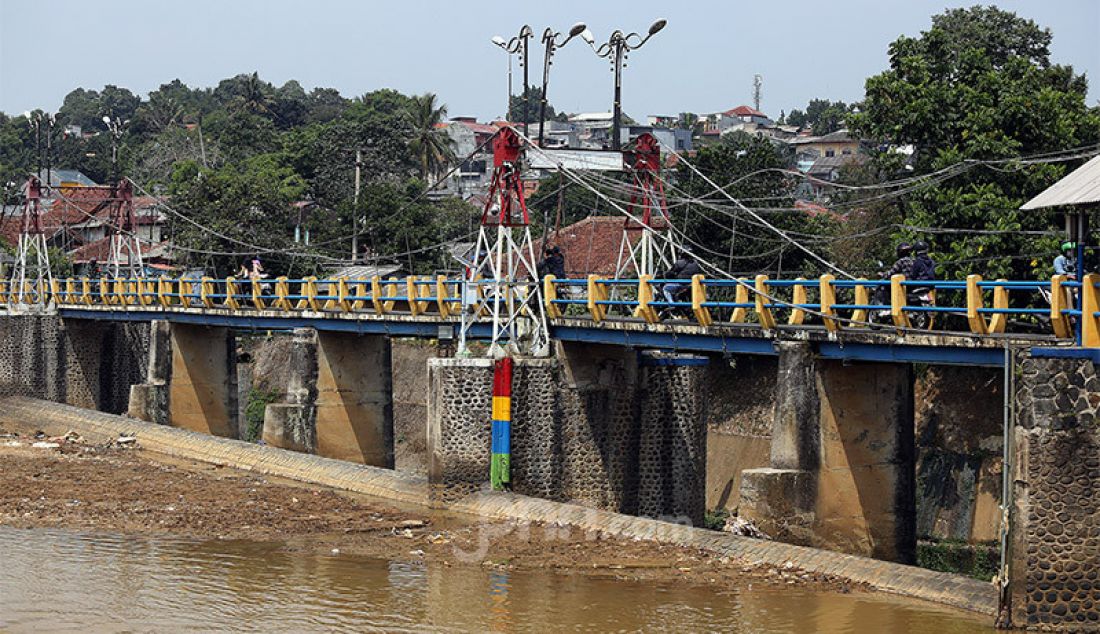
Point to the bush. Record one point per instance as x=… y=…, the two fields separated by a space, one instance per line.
x=258 y=400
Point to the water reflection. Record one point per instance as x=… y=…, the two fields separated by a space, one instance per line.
x=63 y=581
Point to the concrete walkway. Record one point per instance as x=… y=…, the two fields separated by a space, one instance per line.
x=943 y=588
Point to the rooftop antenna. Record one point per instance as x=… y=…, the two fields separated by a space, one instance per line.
x=757 y=90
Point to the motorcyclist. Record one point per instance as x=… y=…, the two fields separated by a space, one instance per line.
x=1066 y=263
x=904 y=264
x=683 y=268
x=924 y=267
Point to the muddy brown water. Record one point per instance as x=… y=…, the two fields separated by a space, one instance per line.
x=54 y=580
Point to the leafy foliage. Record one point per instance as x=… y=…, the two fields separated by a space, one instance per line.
x=979 y=85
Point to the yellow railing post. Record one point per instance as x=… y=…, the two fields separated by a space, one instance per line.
x=231 y=293
x=390 y=290
x=282 y=293
x=376 y=295
x=361 y=286
x=258 y=294
x=827 y=294
x=698 y=298
x=978 y=324
x=413 y=293
x=999 y=321
x=897 y=301
x=85 y=291
x=740 y=296
x=763 y=308
x=105 y=296
x=550 y=293
x=862 y=298
x=1090 y=305
x=55 y=289
x=1059 y=303
x=206 y=292
x=442 y=296
x=798 y=297
x=309 y=290
x=164 y=291
x=596 y=293
x=645 y=296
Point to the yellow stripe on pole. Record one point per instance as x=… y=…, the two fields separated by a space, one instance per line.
x=502 y=408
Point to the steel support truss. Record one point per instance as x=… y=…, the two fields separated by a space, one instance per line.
x=502 y=282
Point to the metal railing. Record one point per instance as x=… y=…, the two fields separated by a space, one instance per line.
x=1033 y=305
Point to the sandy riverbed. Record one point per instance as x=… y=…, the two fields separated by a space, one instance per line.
x=107 y=488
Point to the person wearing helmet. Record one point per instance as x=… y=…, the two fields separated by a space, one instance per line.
x=904 y=264
x=1066 y=264
x=924 y=267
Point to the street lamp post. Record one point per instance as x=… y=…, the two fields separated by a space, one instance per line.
x=616 y=49
x=518 y=44
x=114 y=126
x=550 y=40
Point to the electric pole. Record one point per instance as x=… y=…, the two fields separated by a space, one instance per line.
x=355 y=205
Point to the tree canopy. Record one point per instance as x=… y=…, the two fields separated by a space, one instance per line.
x=978 y=85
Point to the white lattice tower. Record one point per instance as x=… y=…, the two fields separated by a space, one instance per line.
x=648 y=253
x=31 y=277
x=124 y=259
x=502 y=284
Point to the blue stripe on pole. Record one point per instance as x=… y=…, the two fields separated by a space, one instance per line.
x=502 y=436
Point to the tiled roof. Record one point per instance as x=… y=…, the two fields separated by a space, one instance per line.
x=100 y=250
x=590 y=246
x=744 y=111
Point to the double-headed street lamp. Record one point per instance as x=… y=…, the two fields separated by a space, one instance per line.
x=38 y=120
x=518 y=44
x=114 y=126
x=550 y=40
x=615 y=49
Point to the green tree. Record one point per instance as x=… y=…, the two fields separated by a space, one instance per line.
x=524 y=107
x=432 y=146
x=979 y=85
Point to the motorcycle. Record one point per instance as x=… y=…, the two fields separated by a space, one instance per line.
x=915 y=296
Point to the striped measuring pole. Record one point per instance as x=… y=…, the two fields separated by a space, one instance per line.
x=500 y=468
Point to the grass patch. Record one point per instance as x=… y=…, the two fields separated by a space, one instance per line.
x=715 y=519
x=258 y=400
x=979 y=561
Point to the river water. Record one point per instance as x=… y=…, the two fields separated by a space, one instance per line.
x=53 y=580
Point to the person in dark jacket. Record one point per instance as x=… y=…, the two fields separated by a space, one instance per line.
x=924 y=267
x=683 y=268
x=553 y=263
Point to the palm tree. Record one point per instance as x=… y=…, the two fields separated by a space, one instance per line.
x=255 y=96
x=430 y=143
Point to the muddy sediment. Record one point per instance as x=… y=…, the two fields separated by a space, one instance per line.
x=106 y=488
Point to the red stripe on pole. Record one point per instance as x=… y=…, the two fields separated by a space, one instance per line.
x=502 y=377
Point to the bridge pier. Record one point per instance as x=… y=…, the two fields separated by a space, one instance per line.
x=601 y=426
x=202 y=390
x=339 y=403
x=842 y=458
x=1054 y=517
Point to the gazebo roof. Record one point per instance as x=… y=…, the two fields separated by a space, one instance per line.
x=1079 y=187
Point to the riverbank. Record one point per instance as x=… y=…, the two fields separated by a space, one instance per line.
x=96 y=487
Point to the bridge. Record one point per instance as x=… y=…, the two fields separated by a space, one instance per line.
x=728 y=316
x=594 y=390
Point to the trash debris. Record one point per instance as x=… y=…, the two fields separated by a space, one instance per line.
x=42 y=444
x=335 y=551
x=416 y=553
x=743 y=527
x=125 y=441
x=412 y=524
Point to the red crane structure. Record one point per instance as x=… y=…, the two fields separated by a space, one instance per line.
x=124 y=260
x=31 y=276
x=502 y=280
x=642 y=251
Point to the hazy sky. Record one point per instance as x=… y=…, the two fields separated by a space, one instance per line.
x=703 y=61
